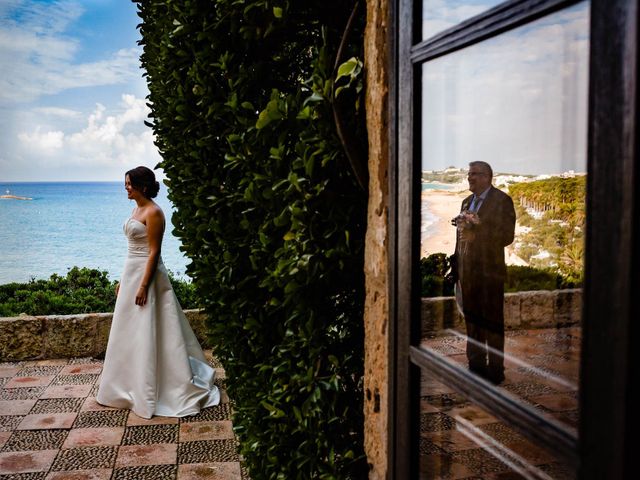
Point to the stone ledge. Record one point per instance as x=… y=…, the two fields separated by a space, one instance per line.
x=64 y=336
x=522 y=311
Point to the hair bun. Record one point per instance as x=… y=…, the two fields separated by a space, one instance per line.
x=153 y=191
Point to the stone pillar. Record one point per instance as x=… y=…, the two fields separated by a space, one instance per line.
x=376 y=313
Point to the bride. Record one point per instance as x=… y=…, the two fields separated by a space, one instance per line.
x=154 y=364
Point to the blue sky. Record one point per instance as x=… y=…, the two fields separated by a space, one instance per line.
x=72 y=95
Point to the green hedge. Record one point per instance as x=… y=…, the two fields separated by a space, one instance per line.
x=260 y=134
x=81 y=290
x=435 y=274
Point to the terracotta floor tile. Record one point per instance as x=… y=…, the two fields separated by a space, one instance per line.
x=224 y=398
x=21 y=462
x=9 y=371
x=134 y=420
x=474 y=414
x=66 y=391
x=556 y=403
x=47 y=421
x=4 y=436
x=91 y=405
x=210 y=471
x=88 y=368
x=451 y=440
x=85 y=437
x=96 y=474
x=21 y=382
x=53 y=362
x=16 y=407
x=157 y=454
x=190 y=432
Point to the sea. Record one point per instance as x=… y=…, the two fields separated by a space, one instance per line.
x=72 y=224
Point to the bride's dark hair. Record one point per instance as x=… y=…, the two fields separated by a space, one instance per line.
x=144 y=180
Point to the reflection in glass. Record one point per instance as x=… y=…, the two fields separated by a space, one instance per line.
x=459 y=439
x=439 y=15
x=516 y=103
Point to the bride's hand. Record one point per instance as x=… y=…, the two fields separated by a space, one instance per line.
x=117 y=288
x=141 y=296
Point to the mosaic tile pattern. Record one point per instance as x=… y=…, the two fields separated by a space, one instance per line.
x=24 y=476
x=39 y=371
x=85 y=458
x=150 y=434
x=101 y=442
x=159 y=472
x=208 y=451
x=461 y=440
x=24 y=440
x=81 y=379
x=219 y=412
x=91 y=419
x=57 y=405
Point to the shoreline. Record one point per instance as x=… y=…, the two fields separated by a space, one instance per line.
x=440 y=236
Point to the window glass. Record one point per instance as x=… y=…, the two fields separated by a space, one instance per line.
x=503 y=150
x=439 y=15
x=459 y=439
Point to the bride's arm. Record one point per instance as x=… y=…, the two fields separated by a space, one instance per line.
x=155 y=228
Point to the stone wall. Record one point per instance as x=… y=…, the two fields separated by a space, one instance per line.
x=522 y=311
x=376 y=315
x=64 y=336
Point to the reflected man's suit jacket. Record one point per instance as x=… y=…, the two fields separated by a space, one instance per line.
x=479 y=264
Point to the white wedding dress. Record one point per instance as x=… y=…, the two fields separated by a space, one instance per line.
x=154 y=364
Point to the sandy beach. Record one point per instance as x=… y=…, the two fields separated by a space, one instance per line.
x=438 y=208
x=438 y=235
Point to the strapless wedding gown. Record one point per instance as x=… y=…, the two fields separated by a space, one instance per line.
x=154 y=364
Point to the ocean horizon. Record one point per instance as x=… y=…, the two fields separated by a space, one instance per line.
x=69 y=224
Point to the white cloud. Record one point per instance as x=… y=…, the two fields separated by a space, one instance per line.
x=109 y=140
x=37 y=57
x=43 y=142
x=57 y=112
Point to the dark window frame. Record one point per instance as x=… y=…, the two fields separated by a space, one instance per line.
x=611 y=263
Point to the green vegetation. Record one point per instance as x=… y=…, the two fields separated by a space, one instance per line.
x=559 y=226
x=257 y=108
x=435 y=272
x=82 y=290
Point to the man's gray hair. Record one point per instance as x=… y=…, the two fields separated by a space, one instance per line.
x=484 y=165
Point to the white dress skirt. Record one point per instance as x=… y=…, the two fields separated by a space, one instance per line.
x=154 y=364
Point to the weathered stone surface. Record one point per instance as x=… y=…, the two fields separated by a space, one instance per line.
x=536 y=309
x=65 y=336
x=522 y=310
x=376 y=315
x=512 y=309
x=438 y=314
x=568 y=307
x=20 y=338
x=103 y=327
x=69 y=335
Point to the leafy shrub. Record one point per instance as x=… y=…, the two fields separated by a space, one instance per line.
x=82 y=290
x=436 y=280
x=435 y=275
x=259 y=121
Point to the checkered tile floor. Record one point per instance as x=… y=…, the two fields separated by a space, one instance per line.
x=51 y=428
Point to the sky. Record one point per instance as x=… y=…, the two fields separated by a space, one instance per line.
x=518 y=101
x=72 y=95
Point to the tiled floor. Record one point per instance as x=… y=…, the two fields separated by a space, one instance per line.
x=459 y=439
x=51 y=428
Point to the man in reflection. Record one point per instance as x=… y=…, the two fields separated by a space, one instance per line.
x=485 y=226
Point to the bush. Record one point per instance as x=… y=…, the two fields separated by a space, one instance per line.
x=436 y=279
x=262 y=138
x=82 y=290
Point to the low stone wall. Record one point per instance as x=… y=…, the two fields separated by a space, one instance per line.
x=63 y=336
x=522 y=311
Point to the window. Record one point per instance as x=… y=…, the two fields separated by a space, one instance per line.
x=522 y=103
